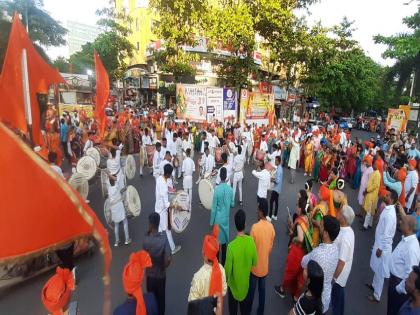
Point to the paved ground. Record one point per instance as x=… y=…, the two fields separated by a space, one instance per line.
x=25 y=298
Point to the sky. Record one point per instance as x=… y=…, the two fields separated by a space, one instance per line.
x=371 y=17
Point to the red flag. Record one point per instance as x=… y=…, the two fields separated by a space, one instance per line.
x=102 y=93
x=41 y=76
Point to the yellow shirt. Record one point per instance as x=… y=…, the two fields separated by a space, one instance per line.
x=263 y=234
x=200 y=284
x=220 y=132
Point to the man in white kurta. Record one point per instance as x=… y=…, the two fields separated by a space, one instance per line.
x=188 y=168
x=247 y=143
x=382 y=248
x=294 y=158
x=157 y=159
x=179 y=155
x=162 y=205
x=238 y=173
x=113 y=165
x=207 y=163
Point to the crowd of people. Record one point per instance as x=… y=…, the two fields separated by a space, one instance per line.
x=321 y=240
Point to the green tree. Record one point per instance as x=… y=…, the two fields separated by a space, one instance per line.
x=43 y=29
x=405 y=48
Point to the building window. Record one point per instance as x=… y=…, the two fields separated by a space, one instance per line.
x=138 y=46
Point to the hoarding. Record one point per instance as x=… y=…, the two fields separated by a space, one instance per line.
x=230 y=103
x=257 y=107
x=191 y=102
x=397 y=119
x=214 y=97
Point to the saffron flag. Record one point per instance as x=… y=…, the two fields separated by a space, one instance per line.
x=102 y=94
x=40 y=77
x=41 y=212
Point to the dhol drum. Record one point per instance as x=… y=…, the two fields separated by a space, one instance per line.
x=87 y=167
x=107 y=213
x=95 y=154
x=80 y=184
x=206 y=190
x=180 y=213
x=132 y=202
x=129 y=166
x=150 y=150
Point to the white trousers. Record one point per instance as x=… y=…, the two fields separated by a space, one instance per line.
x=368 y=221
x=141 y=170
x=237 y=183
x=170 y=239
x=189 y=191
x=377 y=284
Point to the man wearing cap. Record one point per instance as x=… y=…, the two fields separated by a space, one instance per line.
x=210 y=279
x=410 y=184
x=137 y=302
x=371 y=196
x=57 y=291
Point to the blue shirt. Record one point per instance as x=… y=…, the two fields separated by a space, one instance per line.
x=64 y=130
x=129 y=306
x=413 y=153
x=406 y=309
x=418 y=223
x=279 y=179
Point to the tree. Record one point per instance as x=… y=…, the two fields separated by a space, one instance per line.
x=43 y=29
x=405 y=48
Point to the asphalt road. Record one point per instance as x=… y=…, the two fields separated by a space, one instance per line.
x=25 y=297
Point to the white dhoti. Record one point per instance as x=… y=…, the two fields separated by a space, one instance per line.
x=187 y=186
x=237 y=182
x=380 y=266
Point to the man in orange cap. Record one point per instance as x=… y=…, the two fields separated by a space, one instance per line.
x=137 y=302
x=210 y=279
x=410 y=184
x=57 y=291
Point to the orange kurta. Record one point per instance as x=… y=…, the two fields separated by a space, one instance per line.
x=54 y=145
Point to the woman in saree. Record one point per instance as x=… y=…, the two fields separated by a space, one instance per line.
x=358 y=171
x=318 y=158
x=301 y=244
x=320 y=210
x=309 y=156
x=325 y=165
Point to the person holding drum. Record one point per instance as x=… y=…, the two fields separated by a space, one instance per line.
x=227 y=167
x=188 y=168
x=113 y=165
x=238 y=174
x=220 y=211
x=178 y=153
x=207 y=163
x=167 y=160
x=117 y=211
x=162 y=204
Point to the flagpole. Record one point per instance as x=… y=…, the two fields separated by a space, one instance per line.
x=26 y=93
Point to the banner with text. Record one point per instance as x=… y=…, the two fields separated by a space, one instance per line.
x=191 y=102
x=230 y=103
x=397 y=119
x=214 y=99
x=257 y=108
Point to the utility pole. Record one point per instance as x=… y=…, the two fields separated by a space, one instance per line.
x=26 y=16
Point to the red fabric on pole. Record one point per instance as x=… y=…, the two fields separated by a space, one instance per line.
x=40 y=211
x=102 y=93
x=41 y=76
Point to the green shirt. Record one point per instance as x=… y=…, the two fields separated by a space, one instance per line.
x=240 y=258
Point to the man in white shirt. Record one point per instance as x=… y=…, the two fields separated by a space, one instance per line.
x=228 y=170
x=410 y=184
x=188 y=168
x=263 y=145
x=162 y=205
x=52 y=158
x=247 y=142
x=157 y=159
x=272 y=156
x=207 y=164
x=238 y=173
x=403 y=258
x=345 y=245
x=264 y=178
x=89 y=142
x=343 y=137
x=113 y=165
x=326 y=255
x=187 y=144
x=213 y=142
x=179 y=153
x=382 y=248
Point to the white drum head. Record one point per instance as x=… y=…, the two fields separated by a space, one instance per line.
x=206 y=192
x=80 y=184
x=107 y=213
x=180 y=218
x=104 y=184
x=132 y=201
x=86 y=166
x=95 y=154
x=130 y=167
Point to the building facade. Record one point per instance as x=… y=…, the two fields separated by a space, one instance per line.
x=80 y=34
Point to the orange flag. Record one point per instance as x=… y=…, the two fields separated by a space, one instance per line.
x=40 y=211
x=102 y=93
x=40 y=74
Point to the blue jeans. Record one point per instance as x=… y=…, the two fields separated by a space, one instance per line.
x=337 y=299
x=261 y=292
